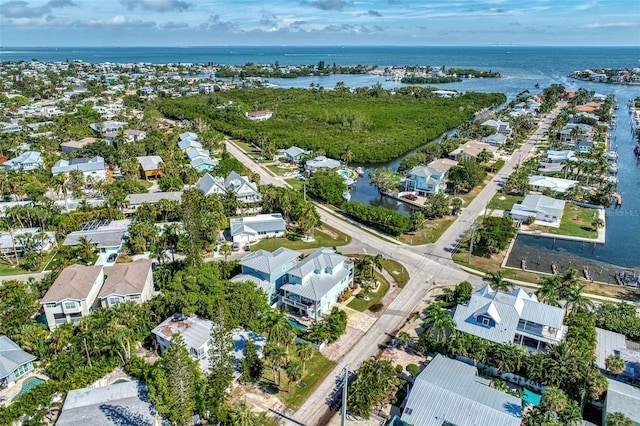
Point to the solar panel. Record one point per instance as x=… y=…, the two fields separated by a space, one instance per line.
x=95 y=224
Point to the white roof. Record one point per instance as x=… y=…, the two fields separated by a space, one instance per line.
x=149 y=162
x=533 y=204
x=555 y=184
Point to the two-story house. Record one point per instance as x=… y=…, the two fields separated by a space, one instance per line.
x=196 y=334
x=127 y=282
x=93 y=168
x=425 y=180
x=314 y=284
x=150 y=166
x=245 y=190
x=30 y=160
x=73 y=295
x=14 y=362
x=268 y=269
x=516 y=317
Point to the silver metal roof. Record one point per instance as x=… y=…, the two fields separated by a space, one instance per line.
x=195 y=331
x=12 y=357
x=623 y=398
x=450 y=392
x=610 y=343
x=116 y=404
x=153 y=197
x=254 y=224
x=268 y=262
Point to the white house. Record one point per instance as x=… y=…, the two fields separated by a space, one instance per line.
x=14 y=362
x=127 y=282
x=26 y=239
x=196 y=333
x=253 y=228
x=73 y=295
x=321 y=163
x=30 y=160
x=93 y=168
x=259 y=115
x=516 y=317
x=314 y=284
x=540 y=183
x=544 y=209
x=245 y=190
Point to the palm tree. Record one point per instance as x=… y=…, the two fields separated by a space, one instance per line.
x=548 y=292
x=86 y=248
x=305 y=353
x=597 y=223
x=615 y=364
x=597 y=384
x=618 y=419
x=497 y=282
x=439 y=323
x=225 y=250
x=294 y=372
x=279 y=328
x=554 y=399
x=347 y=157
x=404 y=338
x=576 y=301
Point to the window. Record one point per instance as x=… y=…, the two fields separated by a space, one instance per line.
x=485 y=321
x=114 y=300
x=134 y=297
x=50 y=305
x=70 y=305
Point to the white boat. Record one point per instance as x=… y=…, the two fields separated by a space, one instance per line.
x=612 y=155
x=613 y=169
x=346 y=195
x=612 y=179
x=360 y=170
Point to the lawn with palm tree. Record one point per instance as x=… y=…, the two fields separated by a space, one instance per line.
x=362 y=303
x=577 y=221
x=325 y=236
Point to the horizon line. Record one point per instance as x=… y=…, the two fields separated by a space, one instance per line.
x=317 y=45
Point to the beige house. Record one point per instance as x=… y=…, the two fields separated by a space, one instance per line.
x=471 y=149
x=73 y=294
x=127 y=281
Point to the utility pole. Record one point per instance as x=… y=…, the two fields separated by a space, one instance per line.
x=343 y=420
x=304 y=191
x=473 y=231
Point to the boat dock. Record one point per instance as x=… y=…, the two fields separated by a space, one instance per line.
x=617 y=197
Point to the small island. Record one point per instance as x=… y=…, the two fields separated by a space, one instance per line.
x=435 y=75
x=609 y=75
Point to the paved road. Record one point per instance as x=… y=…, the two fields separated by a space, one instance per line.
x=426 y=265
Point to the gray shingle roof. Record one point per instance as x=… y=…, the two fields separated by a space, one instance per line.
x=153 y=197
x=12 y=357
x=450 y=392
x=126 y=278
x=74 y=282
x=539 y=203
x=269 y=262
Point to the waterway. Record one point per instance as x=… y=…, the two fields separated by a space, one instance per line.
x=622 y=246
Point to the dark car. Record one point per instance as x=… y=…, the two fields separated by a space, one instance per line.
x=247 y=247
x=112 y=257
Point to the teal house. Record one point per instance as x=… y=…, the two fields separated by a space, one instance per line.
x=425 y=180
x=14 y=362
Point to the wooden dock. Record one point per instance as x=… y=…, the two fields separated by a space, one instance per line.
x=618 y=198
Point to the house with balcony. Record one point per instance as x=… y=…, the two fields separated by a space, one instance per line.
x=30 y=160
x=127 y=282
x=73 y=295
x=93 y=168
x=295 y=154
x=268 y=269
x=245 y=190
x=14 y=362
x=515 y=317
x=313 y=285
x=424 y=180
x=150 y=166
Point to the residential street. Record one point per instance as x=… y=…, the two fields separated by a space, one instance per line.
x=426 y=264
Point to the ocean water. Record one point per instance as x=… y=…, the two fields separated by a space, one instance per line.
x=524 y=67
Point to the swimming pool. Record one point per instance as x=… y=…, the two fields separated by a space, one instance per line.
x=531 y=398
x=295 y=323
x=344 y=173
x=27 y=385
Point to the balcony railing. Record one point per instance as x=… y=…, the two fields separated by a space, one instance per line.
x=298 y=304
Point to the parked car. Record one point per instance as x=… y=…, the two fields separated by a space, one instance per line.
x=235 y=246
x=216 y=248
x=247 y=247
x=411 y=197
x=112 y=257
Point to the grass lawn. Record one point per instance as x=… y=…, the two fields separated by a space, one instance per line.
x=576 y=222
x=6 y=269
x=325 y=236
x=295 y=183
x=249 y=149
x=429 y=233
x=315 y=370
x=359 y=303
x=497 y=203
x=397 y=271
x=146 y=183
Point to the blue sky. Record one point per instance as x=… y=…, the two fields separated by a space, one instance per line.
x=318 y=22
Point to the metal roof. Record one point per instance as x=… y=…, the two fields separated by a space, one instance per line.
x=610 y=343
x=153 y=197
x=150 y=162
x=264 y=285
x=12 y=357
x=195 y=331
x=268 y=262
x=541 y=204
x=623 y=398
x=255 y=224
x=210 y=185
x=506 y=309
x=120 y=403
x=81 y=164
x=450 y=392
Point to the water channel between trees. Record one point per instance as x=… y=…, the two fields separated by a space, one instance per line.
x=623 y=223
